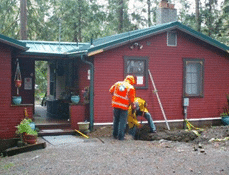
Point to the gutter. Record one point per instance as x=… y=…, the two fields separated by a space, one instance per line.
x=91 y=90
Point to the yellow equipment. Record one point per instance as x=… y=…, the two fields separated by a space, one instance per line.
x=132 y=119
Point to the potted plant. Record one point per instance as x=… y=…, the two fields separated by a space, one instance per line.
x=225 y=116
x=75 y=98
x=26 y=131
x=16 y=100
x=86 y=94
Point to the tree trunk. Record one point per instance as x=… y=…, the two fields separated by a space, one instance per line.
x=149 y=13
x=120 y=16
x=79 y=22
x=23 y=19
x=210 y=20
x=198 y=23
x=75 y=33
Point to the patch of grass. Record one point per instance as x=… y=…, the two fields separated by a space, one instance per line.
x=8 y=166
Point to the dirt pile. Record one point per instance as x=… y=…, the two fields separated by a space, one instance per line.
x=173 y=135
x=218 y=132
x=103 y=131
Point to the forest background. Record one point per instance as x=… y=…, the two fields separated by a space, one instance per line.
x=83 y=20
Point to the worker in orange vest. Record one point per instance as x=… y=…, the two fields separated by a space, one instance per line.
x=123 y=96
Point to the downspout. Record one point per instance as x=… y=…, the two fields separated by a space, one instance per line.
x=91 y=90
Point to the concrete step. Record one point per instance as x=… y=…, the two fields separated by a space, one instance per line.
x=55 y=132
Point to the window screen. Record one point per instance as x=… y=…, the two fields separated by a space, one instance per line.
x=172 y=38
x=193 y=78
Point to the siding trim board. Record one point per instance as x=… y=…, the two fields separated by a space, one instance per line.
x=170 y=121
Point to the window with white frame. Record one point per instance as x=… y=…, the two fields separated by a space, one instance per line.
x=172 y=38
x=137 y=66
x=193 y=77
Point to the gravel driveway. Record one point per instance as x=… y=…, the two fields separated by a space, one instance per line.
x=108 y=156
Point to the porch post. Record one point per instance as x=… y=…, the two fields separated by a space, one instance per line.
x=91 y=91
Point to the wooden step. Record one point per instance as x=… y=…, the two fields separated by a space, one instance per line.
x=41 y=126
x=55 y=132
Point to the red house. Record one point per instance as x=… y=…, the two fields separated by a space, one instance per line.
x=185 y=65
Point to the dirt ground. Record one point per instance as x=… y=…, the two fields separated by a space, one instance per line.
x=175 y=152
x=206 y=135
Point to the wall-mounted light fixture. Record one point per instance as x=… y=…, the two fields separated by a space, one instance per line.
x=136 y=45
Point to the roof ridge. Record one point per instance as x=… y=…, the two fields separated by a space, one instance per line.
x=119 y=39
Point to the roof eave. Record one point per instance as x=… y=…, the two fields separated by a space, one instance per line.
x=203 y=37
x=43 y=54
x=123 y=41
x=13 y=43
x=145 y=34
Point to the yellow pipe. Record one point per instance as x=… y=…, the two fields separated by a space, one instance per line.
x=82 y=134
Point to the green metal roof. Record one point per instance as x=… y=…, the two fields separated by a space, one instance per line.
x=12 y=42
x=54 y=47
x=48 y=48
x=128 y=37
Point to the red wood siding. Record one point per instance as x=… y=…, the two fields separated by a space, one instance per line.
x=166 y=66
x=10 y=116
x=77 y=113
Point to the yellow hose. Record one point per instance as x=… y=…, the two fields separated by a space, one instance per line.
x=82 y=134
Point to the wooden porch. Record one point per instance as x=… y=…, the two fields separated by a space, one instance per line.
x=50 y=126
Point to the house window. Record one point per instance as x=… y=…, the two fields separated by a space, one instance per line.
x=171 y=38
x=137 y=66
x=193 y=77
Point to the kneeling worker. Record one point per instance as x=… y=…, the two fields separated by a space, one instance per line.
x=140 y=110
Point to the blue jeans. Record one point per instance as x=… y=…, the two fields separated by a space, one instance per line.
x=150 y=122
x=119 y=125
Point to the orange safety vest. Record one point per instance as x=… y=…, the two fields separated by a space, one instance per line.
x=123 y=95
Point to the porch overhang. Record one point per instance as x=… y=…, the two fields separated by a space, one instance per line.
x=50 y=49
x=13 y=43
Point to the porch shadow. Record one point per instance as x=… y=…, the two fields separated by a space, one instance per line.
x=40 y=116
